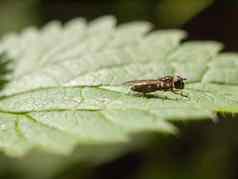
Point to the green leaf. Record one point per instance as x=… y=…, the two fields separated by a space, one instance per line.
x=67 y=90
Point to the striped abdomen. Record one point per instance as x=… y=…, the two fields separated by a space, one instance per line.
x=148 y=86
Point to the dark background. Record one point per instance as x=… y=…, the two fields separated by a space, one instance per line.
x=203 y=149
x=203 y=19
x=216 y=22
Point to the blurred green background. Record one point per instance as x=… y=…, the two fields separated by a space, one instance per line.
x=203 y=150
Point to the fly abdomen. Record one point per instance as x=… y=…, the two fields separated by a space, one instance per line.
x=144 y=88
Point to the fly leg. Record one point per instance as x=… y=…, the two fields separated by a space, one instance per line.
x=179 y=93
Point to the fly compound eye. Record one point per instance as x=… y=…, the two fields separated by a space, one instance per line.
x=179 y=84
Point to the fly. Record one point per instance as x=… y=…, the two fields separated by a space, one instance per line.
x=167 y=83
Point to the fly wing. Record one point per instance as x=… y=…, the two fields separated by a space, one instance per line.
x=140 y=82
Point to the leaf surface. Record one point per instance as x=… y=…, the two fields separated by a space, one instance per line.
x=67 y=88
